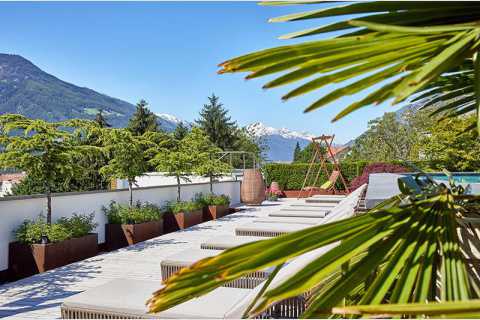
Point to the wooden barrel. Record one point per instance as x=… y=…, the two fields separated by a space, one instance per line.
x=252 y=190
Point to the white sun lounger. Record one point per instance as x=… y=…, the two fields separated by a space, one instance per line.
x=175 y=262
x=345 y=209
x=323 y=200
x=298 y=220
x=227 y=242
x=122 y=298
x=333 y=196
x=299 y=213
x=321 y=206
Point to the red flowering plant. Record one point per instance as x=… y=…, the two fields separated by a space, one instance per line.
x=377 y=167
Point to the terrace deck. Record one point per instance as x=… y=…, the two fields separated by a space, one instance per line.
x=40 y=296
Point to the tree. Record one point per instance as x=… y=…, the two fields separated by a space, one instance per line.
x=45 y=151
x=207 y=162
x=296 y=152
x=101 y=121
x=417 y=46
x=451 y=145
x=387 y=139
x=219 y=127
x=180 y=131
x=127 y=158
x=143 y=120
x=306 y=154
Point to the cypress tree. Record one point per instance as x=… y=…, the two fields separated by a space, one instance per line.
x=100 y=119
x=181 y=131
x=143 y=120
x=296 y=152
x=216 y=123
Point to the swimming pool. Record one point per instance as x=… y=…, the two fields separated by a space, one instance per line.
x=458 y=177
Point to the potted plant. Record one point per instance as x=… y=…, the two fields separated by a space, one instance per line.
x=183 y=214
x=271 y=196
x=128 y=225
x=214 y=206
x=41 y=246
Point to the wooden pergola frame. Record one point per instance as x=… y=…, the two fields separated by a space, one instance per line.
x=318 y=155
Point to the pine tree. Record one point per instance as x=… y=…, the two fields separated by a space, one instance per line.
x=181 y=131
x=219 y=127
x=143 y=120
x=101 y=121
x=296 y=152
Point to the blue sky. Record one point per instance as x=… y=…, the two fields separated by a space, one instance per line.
x=167 y=53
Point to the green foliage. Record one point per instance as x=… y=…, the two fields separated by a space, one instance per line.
x=399 y=50
x=193 y=154
x=418 y=138
x=217 y=125
x=139 y=213
x=143 y=120
x=291 y=176
x=184 y=206
x=129 y=154
x=100 y=120
x=78 y=225
x=296 y=152
x=45 y=151
x=448 y=145
x=405 y=250
x=180 y=131
x=305 y=155
x=390 y=138
x=212 y=199
x=32 y=231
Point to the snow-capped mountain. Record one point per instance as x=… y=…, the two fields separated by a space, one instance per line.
x=280 y=142
x=169 y=122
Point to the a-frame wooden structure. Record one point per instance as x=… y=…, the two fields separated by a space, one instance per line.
x=319 y=155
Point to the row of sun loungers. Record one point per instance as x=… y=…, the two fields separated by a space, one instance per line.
x=126 y=298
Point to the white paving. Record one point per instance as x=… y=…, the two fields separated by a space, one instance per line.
x=40 y=296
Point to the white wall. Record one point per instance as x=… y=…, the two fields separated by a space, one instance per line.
x=151 y=179
x=14 y=210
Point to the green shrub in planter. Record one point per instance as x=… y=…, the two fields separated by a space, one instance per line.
x=184 y=206
x=212 y=199
x=34 y=231
x=139 y=213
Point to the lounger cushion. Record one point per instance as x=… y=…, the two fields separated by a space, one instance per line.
x=306 y=209
x=333 y=196
x=272 y=227
x=300 y=220
x=188 y=256
x=128 y=297
x=227 y=242
x=299 y=213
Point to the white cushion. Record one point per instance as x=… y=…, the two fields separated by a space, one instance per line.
x=188 y=256
x=227 y=242
x=301 y=220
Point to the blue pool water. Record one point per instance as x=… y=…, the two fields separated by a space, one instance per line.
x=458 y=177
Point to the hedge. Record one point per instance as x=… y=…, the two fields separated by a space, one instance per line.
x=290 y=176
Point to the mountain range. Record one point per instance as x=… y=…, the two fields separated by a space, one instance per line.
x=26 y=89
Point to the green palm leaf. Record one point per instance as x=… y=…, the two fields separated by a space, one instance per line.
x=424 y=40
x=393 y=253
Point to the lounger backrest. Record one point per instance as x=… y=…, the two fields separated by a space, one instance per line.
x=347 y=206
x=283 y=275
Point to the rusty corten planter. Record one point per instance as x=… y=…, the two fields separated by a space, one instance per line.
x=25 y=260
x=214 y=212
x=122 y=235
x=182 y=220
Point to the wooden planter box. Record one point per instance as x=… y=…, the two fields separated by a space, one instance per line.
x=25 y=260
x=215 y=212
x=122 y=235
x=182 y=220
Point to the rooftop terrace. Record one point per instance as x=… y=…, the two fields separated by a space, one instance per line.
x=40 y=296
